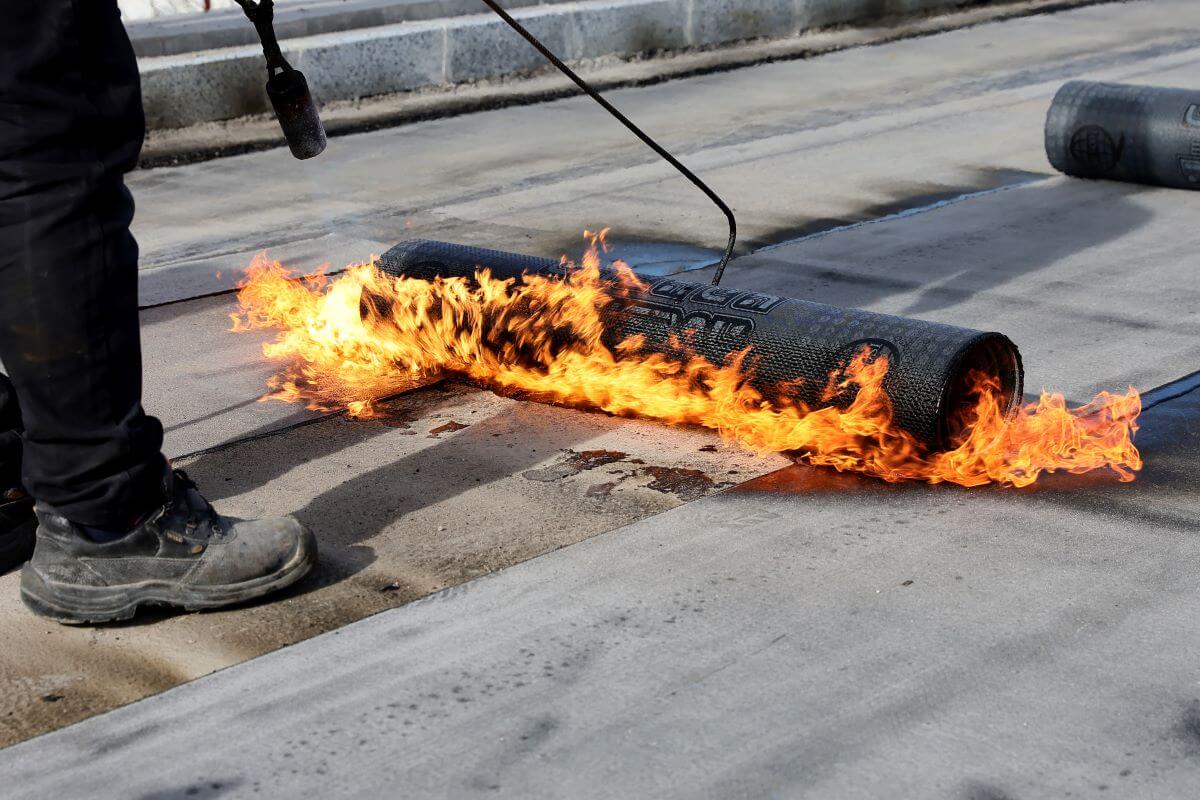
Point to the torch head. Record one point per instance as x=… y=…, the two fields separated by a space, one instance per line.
x=297 y=113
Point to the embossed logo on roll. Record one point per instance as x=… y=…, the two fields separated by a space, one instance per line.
x=714 y=296
x=875 y=348
x=671 y=289
x=707 y=327
x=756 y=303
x=1094 y=151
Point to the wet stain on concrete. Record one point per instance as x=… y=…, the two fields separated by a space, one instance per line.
x=1188 y=728
x=449 y=427
x=687 y=484
x=201 y=790
x=590 y=459
x=985 y=791
x=573 y=463
x=395 y=413
x=537 y=733
x=114 y=743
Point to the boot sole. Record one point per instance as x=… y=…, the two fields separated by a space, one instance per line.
x=73 y=604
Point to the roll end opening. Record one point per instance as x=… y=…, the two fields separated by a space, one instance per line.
x=997 y=358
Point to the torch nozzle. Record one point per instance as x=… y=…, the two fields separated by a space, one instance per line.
x=297 y=113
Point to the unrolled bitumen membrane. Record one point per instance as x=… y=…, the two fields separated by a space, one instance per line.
x=1140 y=134
x=792 y=346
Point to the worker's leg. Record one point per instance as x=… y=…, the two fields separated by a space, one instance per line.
x=10 y=437
x=70 y=127
x=116 y=528
x=16 y=508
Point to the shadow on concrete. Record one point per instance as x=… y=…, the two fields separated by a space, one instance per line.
x=467 y=459
x=226 y=410
x=219 y=480
x=361 y=507
x=649 y=254
x=208 y=789
x=951 y=252
x=909 y=197
x=1069 y=217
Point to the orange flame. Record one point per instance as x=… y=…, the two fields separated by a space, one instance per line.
x=543 y=337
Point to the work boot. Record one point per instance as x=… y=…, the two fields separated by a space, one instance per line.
x=184 y=554
x=17 y=524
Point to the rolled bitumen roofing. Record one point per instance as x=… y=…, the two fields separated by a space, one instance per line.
x=791 y=347
x=1141 y=134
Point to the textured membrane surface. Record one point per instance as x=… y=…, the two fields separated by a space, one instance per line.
x=793 y=345
x=1141 y=134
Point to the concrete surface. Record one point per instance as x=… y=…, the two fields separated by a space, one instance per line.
x=204 y=141
x=190 y=88
x=806 y=635
x=227 y=27
x=796 y=147
x=1093 y=280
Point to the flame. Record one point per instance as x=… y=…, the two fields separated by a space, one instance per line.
x=543 y=338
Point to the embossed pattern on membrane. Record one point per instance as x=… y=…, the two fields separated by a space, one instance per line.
x=1114 y=131
x=794 y=345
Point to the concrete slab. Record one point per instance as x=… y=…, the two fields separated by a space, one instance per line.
x=795 y=147
x=807 y=635
x=802 y=147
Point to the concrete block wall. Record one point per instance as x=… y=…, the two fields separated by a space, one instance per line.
x=226 y=83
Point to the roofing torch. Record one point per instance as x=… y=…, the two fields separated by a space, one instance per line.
x=305 y=135
x=286 y=86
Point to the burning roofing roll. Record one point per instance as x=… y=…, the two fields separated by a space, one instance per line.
x=1141 y=134
x=791 y=346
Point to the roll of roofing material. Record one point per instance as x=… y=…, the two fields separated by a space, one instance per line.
x=1141 y=134
x=794 y=345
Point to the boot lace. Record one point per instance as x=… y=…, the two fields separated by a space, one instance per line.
x=189 y=506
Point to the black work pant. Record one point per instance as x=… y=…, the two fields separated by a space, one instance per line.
x=71 y=126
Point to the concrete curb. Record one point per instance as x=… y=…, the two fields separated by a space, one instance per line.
x=188 y=89
x=190 y=33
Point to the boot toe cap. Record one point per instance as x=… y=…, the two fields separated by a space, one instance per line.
x=257 y=548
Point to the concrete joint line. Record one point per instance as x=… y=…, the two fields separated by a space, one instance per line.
x=445 y=54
